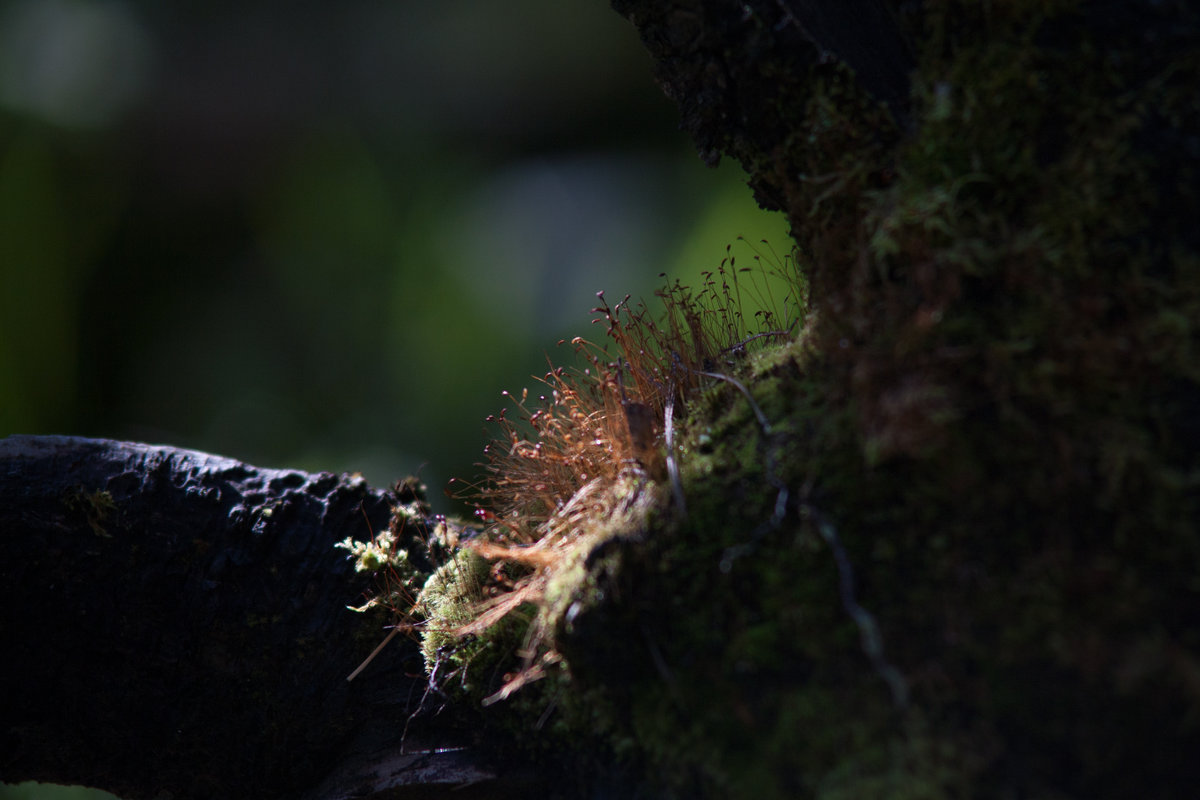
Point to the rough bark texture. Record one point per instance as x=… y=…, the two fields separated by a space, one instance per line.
x=175 y=624
x=742 y=73
x=994 y=410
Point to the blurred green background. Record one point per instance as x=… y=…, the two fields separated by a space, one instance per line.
x=327 y=237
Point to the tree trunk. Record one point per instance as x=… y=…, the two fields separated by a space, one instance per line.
x=994 y=207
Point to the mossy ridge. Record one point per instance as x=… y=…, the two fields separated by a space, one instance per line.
x=992 y=417
x=487 y=609
x=990 y=405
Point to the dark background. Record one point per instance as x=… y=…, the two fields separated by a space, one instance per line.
x=327 y=238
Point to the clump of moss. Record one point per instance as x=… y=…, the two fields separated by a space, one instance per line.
x=95 y=507
x=597 y=458
x=593 y=461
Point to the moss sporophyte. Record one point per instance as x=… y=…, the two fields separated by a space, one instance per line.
x=593 y=457
x=623 y=513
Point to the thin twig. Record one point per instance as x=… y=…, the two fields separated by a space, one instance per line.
x=750 y=339
x=762 y=418
x=672 y=463
x=374 y=653
x=872 y=639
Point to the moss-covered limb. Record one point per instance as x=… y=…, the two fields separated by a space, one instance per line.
x=1018 y=657
x=175 y=621
x=1003 y=343
x=988 y=422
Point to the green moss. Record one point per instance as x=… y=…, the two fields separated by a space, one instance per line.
x=449 y=600
x=987 y=409
x=95 y=507
x=962 y=552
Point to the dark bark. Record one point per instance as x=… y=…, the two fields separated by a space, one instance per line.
x=988 y=272
x=740 y=71
x=176 y=622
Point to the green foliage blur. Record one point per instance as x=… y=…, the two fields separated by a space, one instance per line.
x=327 y=239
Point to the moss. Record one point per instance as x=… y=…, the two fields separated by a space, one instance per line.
x=986 y=410
x=448 y=602
x=962 y=551
x=95 y=507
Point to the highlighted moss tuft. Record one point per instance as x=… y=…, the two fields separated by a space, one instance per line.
x=941 y=538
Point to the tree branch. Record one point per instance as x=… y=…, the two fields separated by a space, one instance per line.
x=176 y=622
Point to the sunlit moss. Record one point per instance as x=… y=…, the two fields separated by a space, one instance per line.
x=940 y=539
